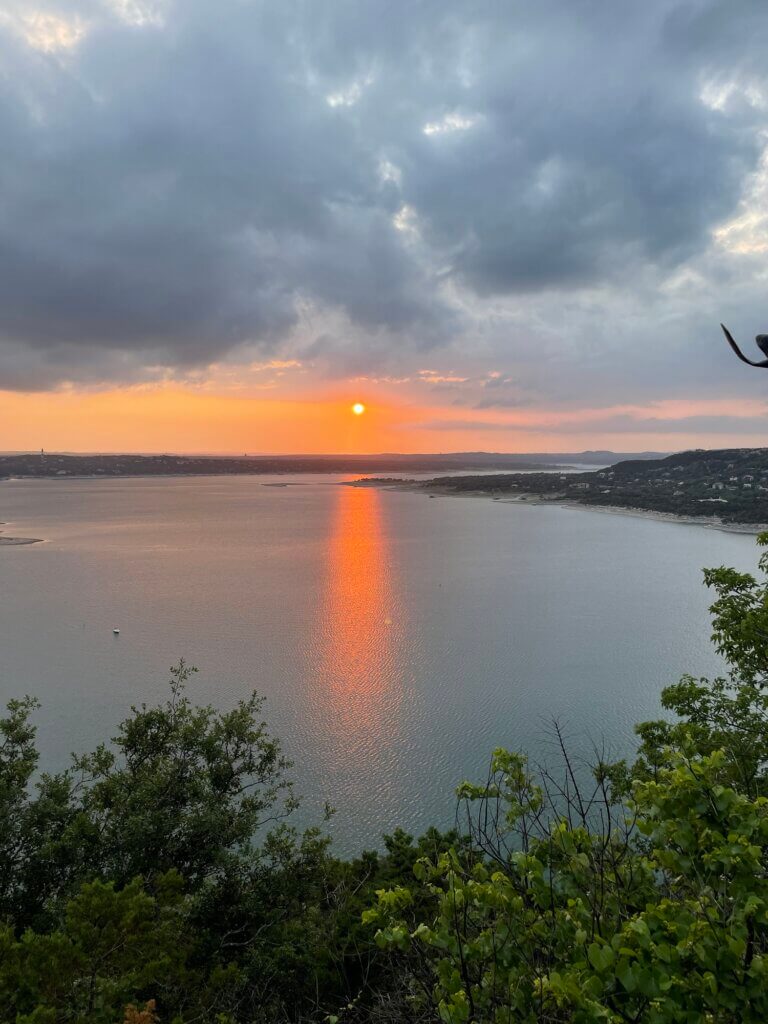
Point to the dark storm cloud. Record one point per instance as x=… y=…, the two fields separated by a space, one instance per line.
x=169 y=191
x=510 y=402
x=173 y=186
x=749 y=425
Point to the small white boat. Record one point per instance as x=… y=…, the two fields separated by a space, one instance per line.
x=116 y=632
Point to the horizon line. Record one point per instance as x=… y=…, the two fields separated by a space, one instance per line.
x=338 y=455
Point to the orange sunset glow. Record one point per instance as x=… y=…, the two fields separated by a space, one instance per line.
x=161 y=418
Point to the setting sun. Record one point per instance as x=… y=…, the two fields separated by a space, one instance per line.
x=358 y=408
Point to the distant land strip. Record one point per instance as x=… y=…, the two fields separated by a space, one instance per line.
x=52 y=464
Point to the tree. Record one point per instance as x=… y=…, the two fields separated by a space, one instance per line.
x=182 y=788
x=110 y=945
x=183 y=792
x=187 y=788
x=728 y=713
x=190 y=803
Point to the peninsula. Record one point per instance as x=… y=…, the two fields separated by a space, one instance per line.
x=728 y=486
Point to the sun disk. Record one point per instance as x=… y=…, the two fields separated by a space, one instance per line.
x=358 y=408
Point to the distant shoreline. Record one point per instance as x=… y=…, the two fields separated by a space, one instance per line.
x=532 y=498
x=54 y=465
x=16 y=542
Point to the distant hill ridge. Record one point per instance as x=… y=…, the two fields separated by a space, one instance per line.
x=53 y=464
x=730 y=484
x=707 y=460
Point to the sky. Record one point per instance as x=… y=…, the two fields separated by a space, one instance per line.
x=501 y=225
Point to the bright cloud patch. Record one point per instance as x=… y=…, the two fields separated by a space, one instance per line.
x=351 y=95
x=747 y=232
x=139 y=13
x=46 y=32
x=450 y=123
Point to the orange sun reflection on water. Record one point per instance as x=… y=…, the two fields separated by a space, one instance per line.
x=359 y=671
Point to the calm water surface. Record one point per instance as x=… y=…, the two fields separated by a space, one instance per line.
x=397 y=639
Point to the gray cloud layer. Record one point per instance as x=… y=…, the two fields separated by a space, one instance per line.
x=619 y=424
x=174 y=187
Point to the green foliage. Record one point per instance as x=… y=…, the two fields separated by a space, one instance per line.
x=110 y=944
x=728 y=714
x=575 y=917
x=162 y=869
x=186 y=788
x=740 y=617
x=181 y=788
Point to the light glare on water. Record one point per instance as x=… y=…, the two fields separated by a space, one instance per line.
x=359 y=679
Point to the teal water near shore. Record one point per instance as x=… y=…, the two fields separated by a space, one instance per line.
x=397 y=640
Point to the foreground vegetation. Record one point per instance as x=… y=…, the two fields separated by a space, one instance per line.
x=158 y=879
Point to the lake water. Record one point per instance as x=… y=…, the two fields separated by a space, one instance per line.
x=397 y=639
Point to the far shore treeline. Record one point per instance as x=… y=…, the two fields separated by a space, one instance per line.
x=159 y=878
x=56 y=464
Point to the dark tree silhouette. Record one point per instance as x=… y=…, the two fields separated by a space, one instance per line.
x=762 y=344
